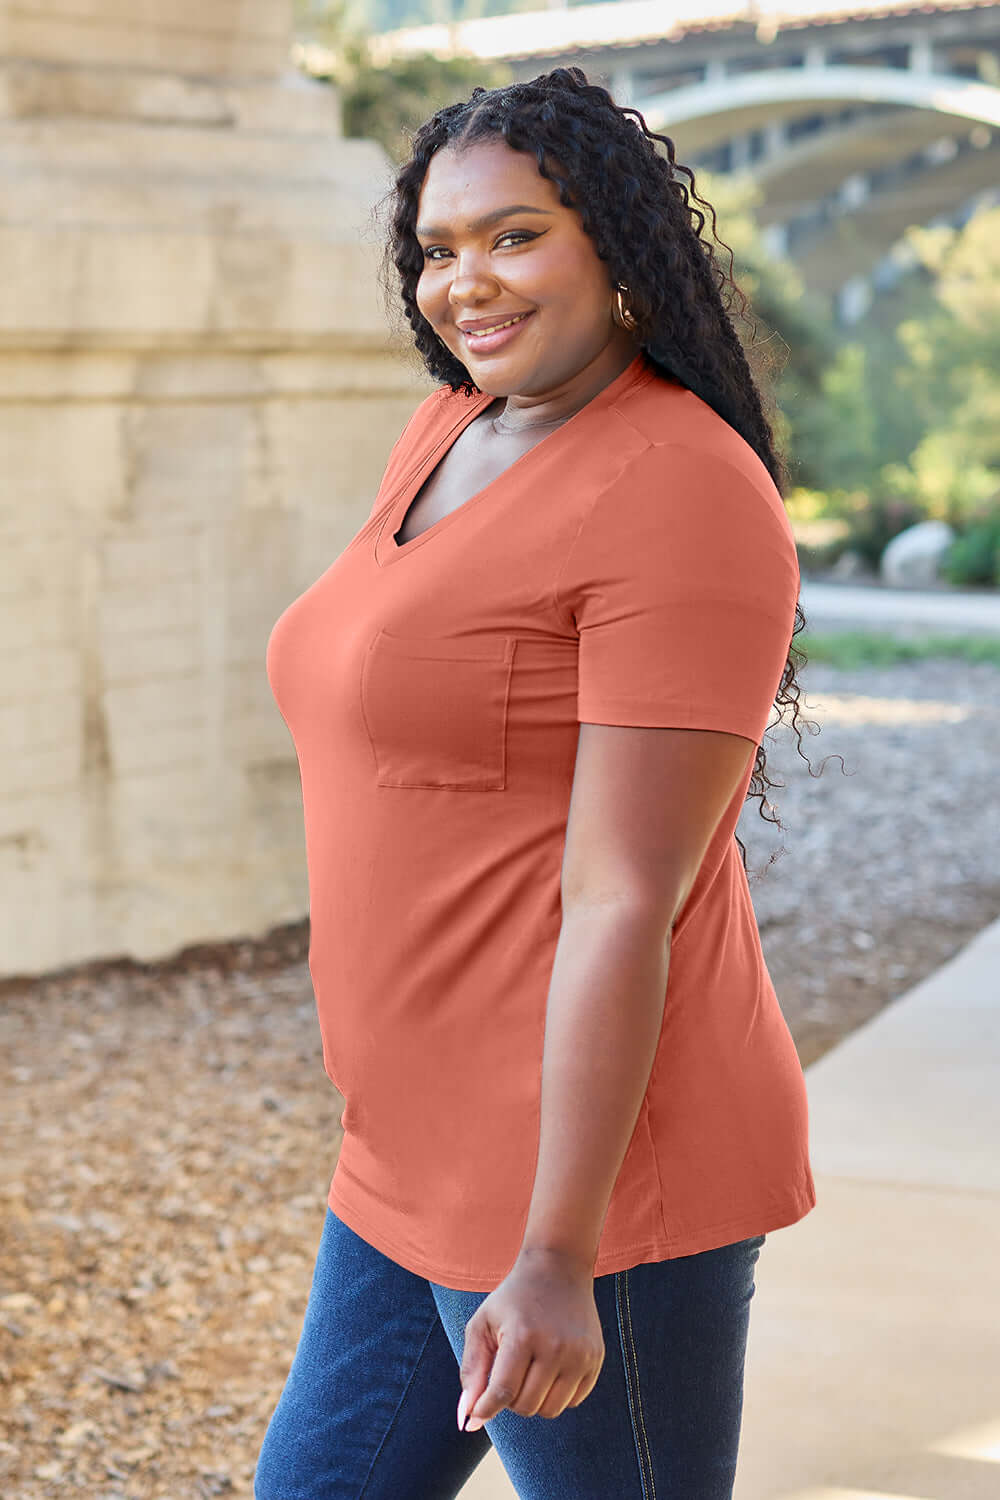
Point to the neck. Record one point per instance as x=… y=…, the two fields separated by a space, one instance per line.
x=500 y=425
x=563 y=401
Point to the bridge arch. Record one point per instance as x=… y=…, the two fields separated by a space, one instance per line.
x=712 y=111
x=915 y=147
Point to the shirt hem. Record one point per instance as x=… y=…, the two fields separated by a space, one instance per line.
x=779 y=1214
x=660 y=717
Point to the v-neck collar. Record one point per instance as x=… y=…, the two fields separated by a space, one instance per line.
x=388 y=551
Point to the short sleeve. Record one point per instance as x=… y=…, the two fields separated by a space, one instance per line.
x=682 y=582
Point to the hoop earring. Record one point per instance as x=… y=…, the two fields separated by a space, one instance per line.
x=623 y=315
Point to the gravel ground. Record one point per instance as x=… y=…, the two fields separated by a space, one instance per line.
x=891 y=861
x=170 y=1133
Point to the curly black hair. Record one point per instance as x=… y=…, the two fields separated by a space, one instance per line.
x=646 y=226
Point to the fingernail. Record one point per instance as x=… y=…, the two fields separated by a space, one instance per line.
x=463 y=1407
x=473 y=1424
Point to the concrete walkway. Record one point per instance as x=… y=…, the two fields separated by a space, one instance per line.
x=874 y=1363
x=922 y=611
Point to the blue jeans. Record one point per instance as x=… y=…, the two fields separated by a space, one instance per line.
x=368 y=1411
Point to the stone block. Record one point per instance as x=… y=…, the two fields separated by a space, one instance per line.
x=37 y=564
x=186 y=36
x=135 y=747
x=96 y=92
x=38 y=722
x=166 y=610
x=33 y=769
x=66 y=459
x=130 y=655
x=29 y=621
x=41 y=673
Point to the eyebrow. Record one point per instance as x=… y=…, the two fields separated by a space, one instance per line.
x=431 y=231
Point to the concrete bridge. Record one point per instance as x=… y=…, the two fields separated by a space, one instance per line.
x=858 y=117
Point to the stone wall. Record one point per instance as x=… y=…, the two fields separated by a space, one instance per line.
x=197 y=398
x=199 y=37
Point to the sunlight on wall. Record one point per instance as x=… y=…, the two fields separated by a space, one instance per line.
x=981 y=1443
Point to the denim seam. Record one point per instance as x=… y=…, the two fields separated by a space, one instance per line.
x=627 y=1347
x=399 y=1405
x=638 y=1392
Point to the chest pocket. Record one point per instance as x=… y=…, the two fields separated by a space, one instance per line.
x=436 y=710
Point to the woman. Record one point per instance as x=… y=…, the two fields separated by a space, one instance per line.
x=528 y=701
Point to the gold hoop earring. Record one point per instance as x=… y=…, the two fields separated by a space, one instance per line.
x=623 y=315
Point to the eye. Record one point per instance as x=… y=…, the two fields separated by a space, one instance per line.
x=516 y=236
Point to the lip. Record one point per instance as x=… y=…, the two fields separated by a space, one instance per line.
x=486 y=343
x=474 y=323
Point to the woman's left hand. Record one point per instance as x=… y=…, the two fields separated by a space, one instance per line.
x=535 y=1344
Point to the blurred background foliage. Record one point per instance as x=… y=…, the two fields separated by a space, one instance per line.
x=385 y=104
x=887 y=422
x=907 y=424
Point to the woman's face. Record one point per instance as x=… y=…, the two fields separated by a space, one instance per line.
x=499 y=245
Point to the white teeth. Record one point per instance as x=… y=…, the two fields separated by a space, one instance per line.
x=478 y=333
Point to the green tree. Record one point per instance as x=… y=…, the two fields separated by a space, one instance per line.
x=790 y=340
x=953 y=364
x=388 y=104
x=385 y=103
x=908 y=421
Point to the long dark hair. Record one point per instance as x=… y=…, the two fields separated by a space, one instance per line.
x=647 y=227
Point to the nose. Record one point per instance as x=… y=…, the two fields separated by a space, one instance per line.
x=471 y=282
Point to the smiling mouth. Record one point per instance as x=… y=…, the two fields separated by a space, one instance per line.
x=478 y=333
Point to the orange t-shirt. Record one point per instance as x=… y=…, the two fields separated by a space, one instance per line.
x=635 y=567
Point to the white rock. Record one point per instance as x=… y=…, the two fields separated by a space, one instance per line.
x=850 y=564
x=914 y=556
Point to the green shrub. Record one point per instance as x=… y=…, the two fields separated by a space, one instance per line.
x=974 y=555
